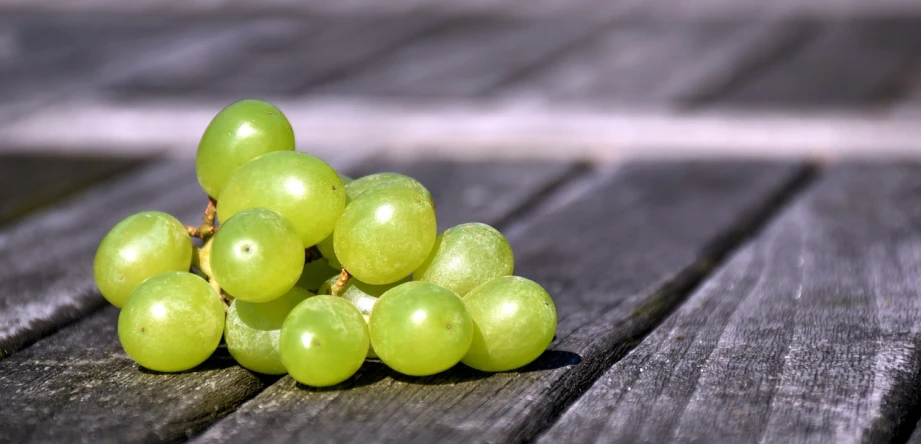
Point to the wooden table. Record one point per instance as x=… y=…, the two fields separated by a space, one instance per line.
x=719 y=301
x=698 y=302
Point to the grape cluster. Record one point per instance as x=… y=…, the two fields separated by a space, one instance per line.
x=311 y=273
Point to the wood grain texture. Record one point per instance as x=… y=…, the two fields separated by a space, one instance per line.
x=465 y=57
x=278 y=56
x=651 y=63
x=46 y=259
x=78 y=385
x=29 y=182
x=810 y=333
x=49 y=58
x=616 y=259
x=846 y=64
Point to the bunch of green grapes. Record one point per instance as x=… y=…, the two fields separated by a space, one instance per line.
x=311 y=273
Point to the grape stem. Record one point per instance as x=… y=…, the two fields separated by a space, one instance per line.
x=340 y=283
x=206 y=229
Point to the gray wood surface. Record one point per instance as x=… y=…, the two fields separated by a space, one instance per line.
x=649 y=63
x=280 y=56
x=846 y=64
x=464 y=58
x=77 y=384
x=810 y=333
x=46 y=259
x=29 y=182
x=617 y=259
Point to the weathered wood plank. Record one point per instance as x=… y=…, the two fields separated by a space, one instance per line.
x=617 y=259
x=810 y=333
x=66 y=393
x=29 y=182
x=50 y=58
x=466 y=57
x=847 y=64
x=46 y=276
x=281 y=56
x=651 y=63
x=79 y=386
x=336 y=48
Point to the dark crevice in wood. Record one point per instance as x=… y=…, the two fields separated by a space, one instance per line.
x=785 y=47
x=44 y=328
x=675 y=292
x=360 y=65
x=909 y=403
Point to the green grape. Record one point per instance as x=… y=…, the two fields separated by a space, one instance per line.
x=252 y=331
x=362 y=184
x=466 y=256
x=242 y=131
x=345 y=179
x=314 y=274
x=256 y=255
x=419 y=328
x=323 y=341
x=362 y=295
x=329 y=251
x=300 y=187
x=514 y=322
x=352 y=191
x=356 y=289
x=138 y=247
x=172 y=322
x=385 y=234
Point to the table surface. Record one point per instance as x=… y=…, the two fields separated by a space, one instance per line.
x=698 y=301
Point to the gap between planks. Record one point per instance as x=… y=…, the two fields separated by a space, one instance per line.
x=687 y=283
x=808 y=333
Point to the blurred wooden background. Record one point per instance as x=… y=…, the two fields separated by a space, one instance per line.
x=586 y=79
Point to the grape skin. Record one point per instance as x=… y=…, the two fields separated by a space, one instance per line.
x=257 y=255
x=239 y=133
x=140 y=246
x=353 y=188
x=362 y=295
x=514 y=319
x=323 y=341
x=327 y=249
x=365 y=183
x=466 y=256
x=385 y=233
x=172 y=322
x=420 y=329
x=302 y=188
x=252 y=331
